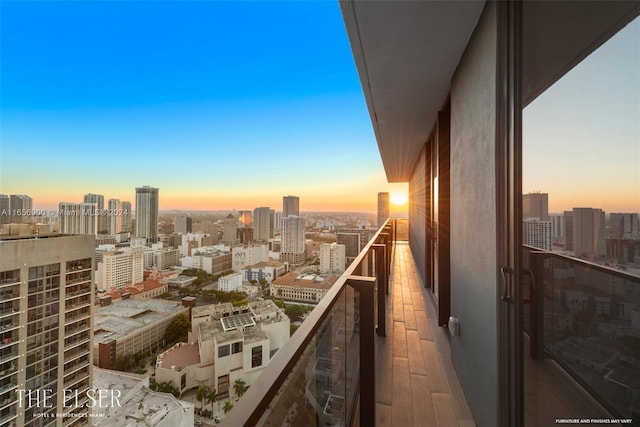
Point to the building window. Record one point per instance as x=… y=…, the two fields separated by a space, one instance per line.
x=223 y=350
x=256 y=356
x=236 y=347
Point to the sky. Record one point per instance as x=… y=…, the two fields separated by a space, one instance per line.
x=232 y=105
x=581 y=137
x=220 y=105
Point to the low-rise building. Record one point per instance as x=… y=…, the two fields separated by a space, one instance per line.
x=230 y=282
x=146 y=289
x=246 y=256
x=181 y=281
x=146 y=408
x=309 y=288
x=123 y=384
x=250 y=290
x=212 y=259
x=227 y=344
x=130 y=326
x=268 y=271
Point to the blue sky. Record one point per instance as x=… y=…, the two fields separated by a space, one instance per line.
x=227 y=105
x=581 y=137
x=219 y=104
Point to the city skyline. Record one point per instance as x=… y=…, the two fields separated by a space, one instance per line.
x=231 y=105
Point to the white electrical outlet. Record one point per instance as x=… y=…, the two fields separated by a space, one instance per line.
x=454 y=326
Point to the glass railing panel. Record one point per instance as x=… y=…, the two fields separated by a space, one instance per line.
x=350 y=344
x=322 y=376
x=317 y=380
x=593 y=325
x=590 y=323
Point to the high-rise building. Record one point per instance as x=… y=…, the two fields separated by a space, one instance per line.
x=332 y=258
x=45 y=329
x=293 y=248
x=114 y=217
x=184 y=224
x=230 y=231
x=290 y=206
x=147 y=213
x=245 y=218
x=272 y=219
x=383 y=208
x=568 y=230
x=535 y=205
x=537 y=233
x=5 y=209
x=262 y=224
x=126 y=217
x=624 y=226
x=21 y=208
x=588 y=233
x=245 y=235
x=557 y=226
x=351 y=242
x=98 y=199
x=277 y=221
x=77 y=218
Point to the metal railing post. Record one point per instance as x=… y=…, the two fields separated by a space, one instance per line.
x=385 y=239
x=536 y=261
x=382 y=277
x=365 y=286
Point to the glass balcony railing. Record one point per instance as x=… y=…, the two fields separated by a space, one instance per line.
x=326 y=370
x=5 y=419
x=586 y=317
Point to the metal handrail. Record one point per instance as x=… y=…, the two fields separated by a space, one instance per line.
x=249 y=410
x=583 y=263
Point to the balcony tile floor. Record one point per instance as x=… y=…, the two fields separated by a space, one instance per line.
x=416 y=384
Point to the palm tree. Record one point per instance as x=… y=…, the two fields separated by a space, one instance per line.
x=228 y=405
x=240 y=387
x=212 y=396
x=201 y=395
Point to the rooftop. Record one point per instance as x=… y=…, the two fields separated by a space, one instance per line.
x=252 y=335
x=125 y=383
x=145 y=408
x=179 y=356
x=226 y=323
x=215 y=310
x=124 y=317
x=266 y=264
x=216 y=331
x=305 y=281
x=135 y=289
x=237 y=321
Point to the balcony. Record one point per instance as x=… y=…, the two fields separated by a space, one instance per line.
x=581 y=334
x=325 y=375
x=579 y=363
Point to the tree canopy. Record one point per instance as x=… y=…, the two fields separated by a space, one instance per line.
x=177 y=330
